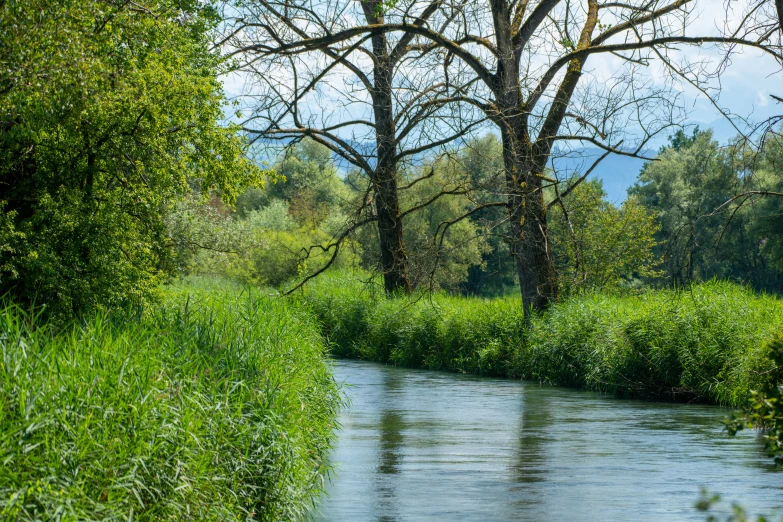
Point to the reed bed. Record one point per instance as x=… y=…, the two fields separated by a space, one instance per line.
x=215 y=405
x=706 y=343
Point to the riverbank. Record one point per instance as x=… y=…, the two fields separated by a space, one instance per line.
x=707 y=343
x=218 y=403
x=214 y=405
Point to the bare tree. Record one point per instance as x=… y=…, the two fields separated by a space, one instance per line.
x=372 y=98
x=529 y=62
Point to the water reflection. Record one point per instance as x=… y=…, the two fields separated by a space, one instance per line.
x=425 y=446
x=390 y=427
x=534 y=423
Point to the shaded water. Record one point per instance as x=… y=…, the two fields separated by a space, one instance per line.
x=419 y=445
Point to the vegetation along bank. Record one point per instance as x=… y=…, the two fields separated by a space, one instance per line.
x=708 y=342
x=213 y=405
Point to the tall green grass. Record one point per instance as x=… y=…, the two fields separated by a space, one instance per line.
x=438 y=332
x=706 y=343
x=213 y=406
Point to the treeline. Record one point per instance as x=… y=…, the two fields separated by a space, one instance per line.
x=681 y=223
x=283 y=232
x=383 y=85
x=713 y=223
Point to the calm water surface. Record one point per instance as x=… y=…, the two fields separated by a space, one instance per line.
x=419 y=445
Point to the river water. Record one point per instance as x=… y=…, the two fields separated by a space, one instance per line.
x=420 y=446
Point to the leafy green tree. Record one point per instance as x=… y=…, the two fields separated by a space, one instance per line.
x=442 y=246
x=686 y=183
x=764 y=224
x=290 y=222
x=307 y=179
x=705 y=230
x=482 y=160
x=109 y=115
x=598 y=244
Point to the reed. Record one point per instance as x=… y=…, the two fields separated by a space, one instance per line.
x=705 y=343
x=215 y=405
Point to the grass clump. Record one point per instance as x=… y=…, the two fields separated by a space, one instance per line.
x=213 y=406
x=437 y=332
x=706 y=343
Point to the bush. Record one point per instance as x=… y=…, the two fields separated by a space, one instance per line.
x=214 y=406
x=765 y=409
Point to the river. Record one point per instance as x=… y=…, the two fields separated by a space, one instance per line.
x=419 y=445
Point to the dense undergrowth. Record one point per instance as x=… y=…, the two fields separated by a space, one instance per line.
x=211 y=406
x=707 y=343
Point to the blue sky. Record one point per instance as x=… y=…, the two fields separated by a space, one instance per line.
x=745 y=89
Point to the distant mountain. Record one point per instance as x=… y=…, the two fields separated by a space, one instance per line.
x=617 y=172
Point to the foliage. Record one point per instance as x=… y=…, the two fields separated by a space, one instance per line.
x=708 y=502
x=267 y=240
x=766 y=406
x=703 y=232
x=307 y=181
x=204 y=235
x=707 y=343
x=599 y=245
x=108 y=116
x=442 y=247
x=217 y=405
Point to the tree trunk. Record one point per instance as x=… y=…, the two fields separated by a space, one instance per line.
x=526 y=207
x=529 y=237
x=394 y=258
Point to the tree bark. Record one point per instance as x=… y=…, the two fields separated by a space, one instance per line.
x=394 y=258
x=528 y=220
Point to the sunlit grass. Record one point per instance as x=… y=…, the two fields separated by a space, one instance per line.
x=213 y=406
x=705 y=343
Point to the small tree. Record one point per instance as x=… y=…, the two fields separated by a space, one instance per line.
x=598 y=244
